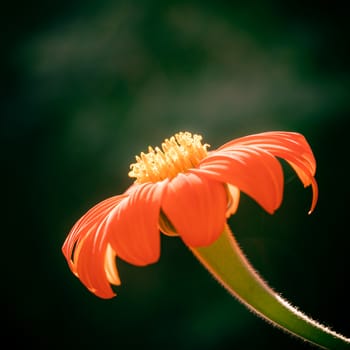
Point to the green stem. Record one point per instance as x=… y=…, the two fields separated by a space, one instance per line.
x=226 y=261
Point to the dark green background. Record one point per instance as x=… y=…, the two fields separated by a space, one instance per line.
x=86 y=85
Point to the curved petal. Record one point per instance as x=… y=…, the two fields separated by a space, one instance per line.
x=307 y=179
x=254 y=171
x=110 y=266
x=81 y=227
x=196 y=207
x=133 y=226
x=89 y=257
x=290 y=146
x=85 y=248
x=234 y=195
x=166 y=226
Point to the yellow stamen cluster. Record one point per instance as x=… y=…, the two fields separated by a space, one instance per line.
x=179 y=153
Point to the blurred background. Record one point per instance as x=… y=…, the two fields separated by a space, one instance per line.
x=87 y=85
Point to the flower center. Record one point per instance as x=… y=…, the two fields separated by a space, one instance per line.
x=179 y=153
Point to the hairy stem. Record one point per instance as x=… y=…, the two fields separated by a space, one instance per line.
x=227 y=263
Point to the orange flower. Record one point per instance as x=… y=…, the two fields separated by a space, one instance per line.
x=182 y=190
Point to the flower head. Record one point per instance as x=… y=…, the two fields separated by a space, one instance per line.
x=182 y=189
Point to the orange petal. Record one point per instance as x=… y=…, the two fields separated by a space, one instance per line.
x=83 y=226
x=290 y=146
x=133 y=226
x=254 y=171
x=307 y=179
x=86 y=247
x=196 y=207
